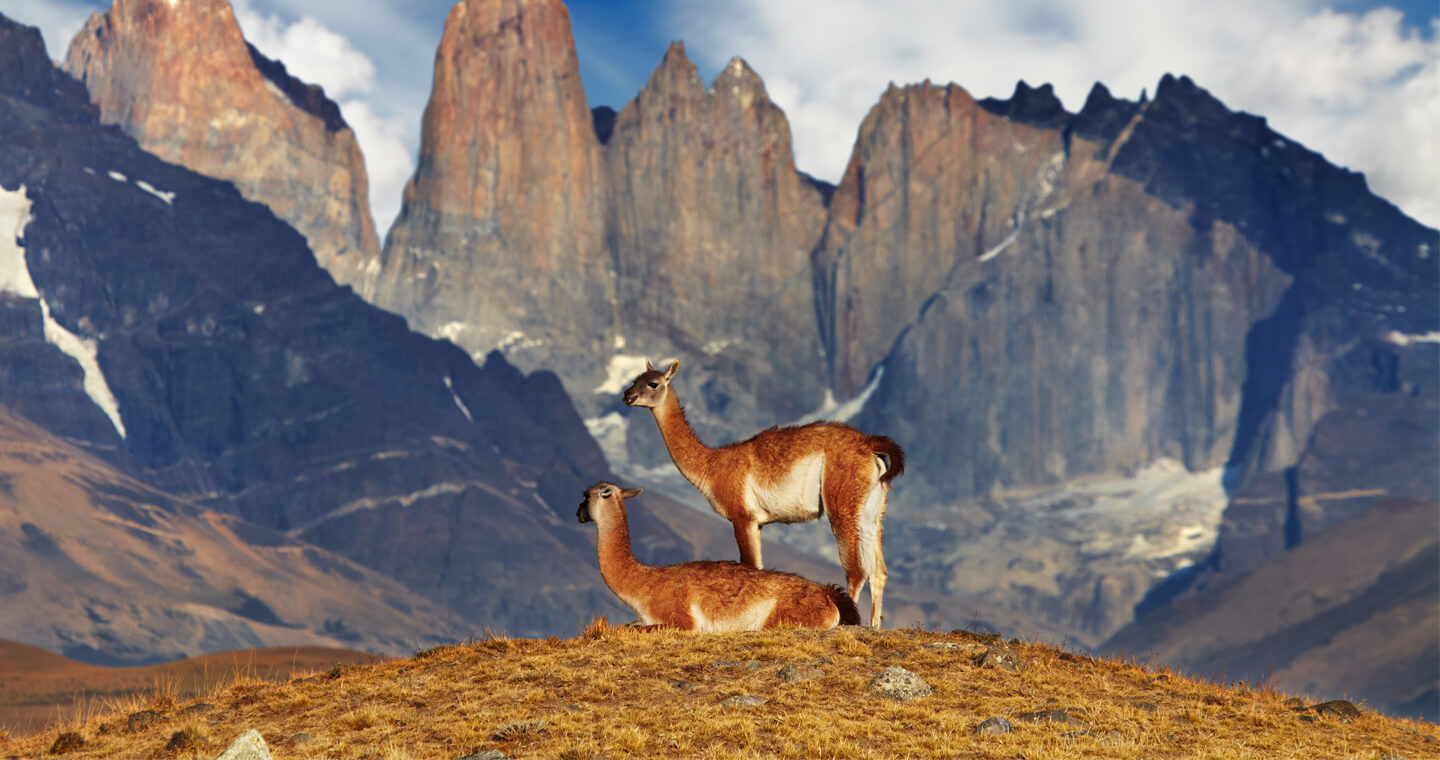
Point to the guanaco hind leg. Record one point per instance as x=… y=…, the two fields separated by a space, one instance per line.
x=848 y=497
x=877 y=582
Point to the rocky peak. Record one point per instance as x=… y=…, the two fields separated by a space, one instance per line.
x=738 y=80
x=180 y=79
x=675 y=74
x=1104 y=116
x=603 y=118
x=598 y=235
x=1031 y=105
x=507 y=198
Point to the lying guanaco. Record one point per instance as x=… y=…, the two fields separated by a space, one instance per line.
x=704 y=596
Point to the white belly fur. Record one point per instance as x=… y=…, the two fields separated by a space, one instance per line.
x=751 y=618
x=795 y=497
x=641 y=613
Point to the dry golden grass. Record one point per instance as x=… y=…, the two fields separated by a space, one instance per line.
x=617 y=692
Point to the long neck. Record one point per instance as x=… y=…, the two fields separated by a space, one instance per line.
x=691 y=456
x=618 y=565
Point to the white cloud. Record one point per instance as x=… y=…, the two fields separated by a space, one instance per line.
x=1360 y=89
x=388 y=157
x=309 y=50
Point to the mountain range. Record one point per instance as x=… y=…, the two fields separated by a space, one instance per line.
x=1158 y=307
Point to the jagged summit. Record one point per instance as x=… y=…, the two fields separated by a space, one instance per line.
x=676 y=73
x=738 y=79
x=1032 y=105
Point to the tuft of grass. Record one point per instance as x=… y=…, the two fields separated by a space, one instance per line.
x=421 y=654
x=516 y=729
x=612 y=692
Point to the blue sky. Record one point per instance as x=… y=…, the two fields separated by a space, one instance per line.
x=1357 y=80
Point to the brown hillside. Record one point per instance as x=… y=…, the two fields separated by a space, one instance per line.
x=100 y=567
x=621 y=692
x=40 y=688
x=1367 y=585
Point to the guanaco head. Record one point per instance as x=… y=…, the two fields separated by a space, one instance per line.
x=604 y=496
x=650 y=387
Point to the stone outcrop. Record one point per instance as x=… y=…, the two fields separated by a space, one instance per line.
x=181 y=80
x=499 y=243
x=1176 y=281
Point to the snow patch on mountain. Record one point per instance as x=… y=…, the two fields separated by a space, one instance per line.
x=833 y=411
x=86 y=351
x=169 y=198
x=1409 y=339
x=450 y=386
x=14 y=216
x=15 y=278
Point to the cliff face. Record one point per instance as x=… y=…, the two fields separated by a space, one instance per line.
x=1103 y=289
x=500 y=239
x=711 y=229
x=1062 y=319
x=181 y=80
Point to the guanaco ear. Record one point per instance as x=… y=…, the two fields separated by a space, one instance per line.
x=675 y=365
x=631 y=493
x=648 y=368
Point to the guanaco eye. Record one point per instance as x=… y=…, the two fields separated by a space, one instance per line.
x=605 y=493
x=654 y=385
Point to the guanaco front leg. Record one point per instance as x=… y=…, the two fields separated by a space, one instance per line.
x=747 y=536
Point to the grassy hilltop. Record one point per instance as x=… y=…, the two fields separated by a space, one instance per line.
x=617 y=692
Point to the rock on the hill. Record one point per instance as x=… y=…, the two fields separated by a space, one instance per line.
x=1000 y=657
x=249 y=746
x=792 y=673
x=899 y=684
x=993 y=726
